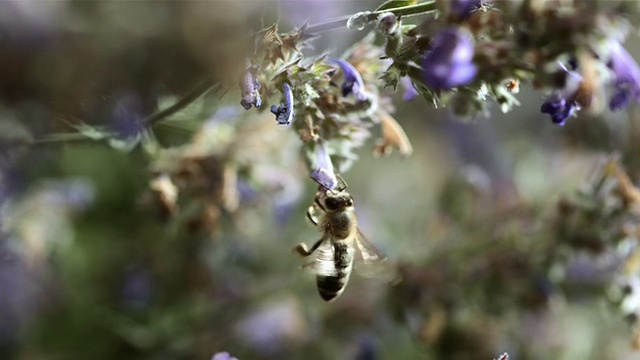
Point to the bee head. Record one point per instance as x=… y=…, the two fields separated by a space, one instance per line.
x=337 y=201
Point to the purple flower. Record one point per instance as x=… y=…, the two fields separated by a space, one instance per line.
x=353 y=83
x=323 y=172
x=463 y=8
x=626 y=83
x=284 y=113
x=410 y=91
x=562 y=104
x=449 y=63
x=127 y=116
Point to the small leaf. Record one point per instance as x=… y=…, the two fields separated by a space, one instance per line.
x=125 y=145
x=93 y=132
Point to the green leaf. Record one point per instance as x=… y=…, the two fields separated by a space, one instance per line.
x=94 y=132
x=393 y=4
x=125 y=145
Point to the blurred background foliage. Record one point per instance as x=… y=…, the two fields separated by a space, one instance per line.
x=512 y=234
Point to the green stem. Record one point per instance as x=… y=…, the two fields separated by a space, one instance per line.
x=54 y=138
x=371 y=16
x=187 y=99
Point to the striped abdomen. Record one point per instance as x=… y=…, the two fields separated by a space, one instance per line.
x=330 y=287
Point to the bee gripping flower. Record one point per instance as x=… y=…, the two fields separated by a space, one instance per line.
x=626 y=82
x=353 y=83
x=449 y=63
x=284 y=112
x=323 y=172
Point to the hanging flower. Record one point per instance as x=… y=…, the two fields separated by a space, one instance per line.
x=449 y=63
x=562 y=104
x=323 y=172
x=284 y=113
x=410 y=91
x=626 y=82
x=353 y=83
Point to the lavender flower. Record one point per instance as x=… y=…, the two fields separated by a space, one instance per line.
x=323 y=172
x=626 y=83
x=127 y=115
x=410 y=91
x=562 y=104
x=353 y=83
x=449 y=62
x=284 y=113
x=250 y=88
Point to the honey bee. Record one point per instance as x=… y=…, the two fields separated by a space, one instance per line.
x=341 y=245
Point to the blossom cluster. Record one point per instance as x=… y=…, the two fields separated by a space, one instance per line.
x=458 y=54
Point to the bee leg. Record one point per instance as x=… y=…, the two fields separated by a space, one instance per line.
x=310 y=214
x=301 y=249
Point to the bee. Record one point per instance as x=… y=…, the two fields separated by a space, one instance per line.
x=342 y=244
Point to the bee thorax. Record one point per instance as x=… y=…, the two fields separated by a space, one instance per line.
x=340 y=225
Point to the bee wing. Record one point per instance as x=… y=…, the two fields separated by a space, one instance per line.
x=370 y=262
x=322 y=260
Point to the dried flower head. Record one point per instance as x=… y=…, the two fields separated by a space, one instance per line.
x=250 y=88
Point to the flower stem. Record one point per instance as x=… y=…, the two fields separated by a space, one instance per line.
x=370 y=16
x=55 y=138
x=187 y=99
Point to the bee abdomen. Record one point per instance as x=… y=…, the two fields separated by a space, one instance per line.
x=330 y=287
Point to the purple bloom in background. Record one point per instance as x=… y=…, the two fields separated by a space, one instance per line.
x=323 y=173
x=562 y=104
x=353 y=83
x=449 y=63
x=463 y=8
x=626 y=83
x=127 y=115
x=137 y=287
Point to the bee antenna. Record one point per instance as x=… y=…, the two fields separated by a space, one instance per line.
x=342 y=182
